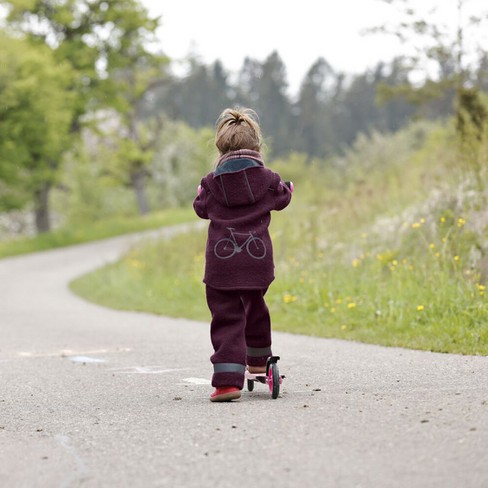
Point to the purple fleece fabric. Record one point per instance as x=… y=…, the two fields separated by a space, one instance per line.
x=237 y=198
x=240 y=331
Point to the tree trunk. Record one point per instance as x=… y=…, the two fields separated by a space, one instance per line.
x=138 y=184
x=41 y=209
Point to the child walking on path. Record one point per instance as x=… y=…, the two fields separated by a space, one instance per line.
x=237 y=198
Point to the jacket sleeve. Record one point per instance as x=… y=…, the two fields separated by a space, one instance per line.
x=282 y=195
x=200 y=203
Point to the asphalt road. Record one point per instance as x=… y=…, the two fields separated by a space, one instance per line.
x=92 y=397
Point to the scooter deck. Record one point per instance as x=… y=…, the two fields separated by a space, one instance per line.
x=261 y=377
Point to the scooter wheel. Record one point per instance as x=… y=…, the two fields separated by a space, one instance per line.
x=250 y=385
x=274 y=380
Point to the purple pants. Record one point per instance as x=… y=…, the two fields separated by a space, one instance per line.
x=240 y=331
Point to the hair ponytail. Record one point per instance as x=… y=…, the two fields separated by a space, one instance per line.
x=238 y=128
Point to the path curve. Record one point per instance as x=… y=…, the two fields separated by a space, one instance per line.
x=93 y=397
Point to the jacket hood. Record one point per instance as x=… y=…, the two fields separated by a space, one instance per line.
x=238 y=182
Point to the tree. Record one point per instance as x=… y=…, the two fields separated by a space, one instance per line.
x=101 y=40
x=459 y=75
x=263 y=87
x=35 y=119
x=199 y=97
x=450 y=67
x=395 y=112
x=133 y=73
x=248 y=82
x=314 y=134
x=482 y=73
x=274 y=104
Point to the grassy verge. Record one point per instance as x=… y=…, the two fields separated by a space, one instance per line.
x=163 y=278
x=424 y=300
x=94 y=231
x=388 y=250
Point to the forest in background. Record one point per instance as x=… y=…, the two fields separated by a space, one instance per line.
x=330 y=109
x=94 y=124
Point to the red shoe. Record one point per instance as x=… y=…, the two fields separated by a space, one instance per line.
x=225 y=394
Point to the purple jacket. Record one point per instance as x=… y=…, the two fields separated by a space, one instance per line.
x=238 y=198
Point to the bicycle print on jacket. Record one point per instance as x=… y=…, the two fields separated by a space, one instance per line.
x=238 y=198
x=227 y=247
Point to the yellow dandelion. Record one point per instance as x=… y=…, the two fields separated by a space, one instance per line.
x=432 y=245
x=339 y=301
x=333 y=310
x=460 y=222
x=356 y=262
x=443 y=220
x=416 y=225
x=343 y=327
x=437 y=254
x=288 y=298
x=422 y=221
x=456 y=258
x=420 y=308
x=351 y=305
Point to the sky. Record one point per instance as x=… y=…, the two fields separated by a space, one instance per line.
x=301 y=31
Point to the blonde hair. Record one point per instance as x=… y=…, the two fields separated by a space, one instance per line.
x=238 y=128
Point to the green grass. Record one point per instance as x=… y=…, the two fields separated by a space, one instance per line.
x=76 y=234
x=421 y=301
x=367 y=253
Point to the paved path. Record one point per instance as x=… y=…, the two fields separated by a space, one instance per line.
x=98 y=398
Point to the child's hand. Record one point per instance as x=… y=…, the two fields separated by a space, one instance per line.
x=199 y=204
x=290 y=185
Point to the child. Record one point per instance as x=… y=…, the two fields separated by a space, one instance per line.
x=237 y=198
